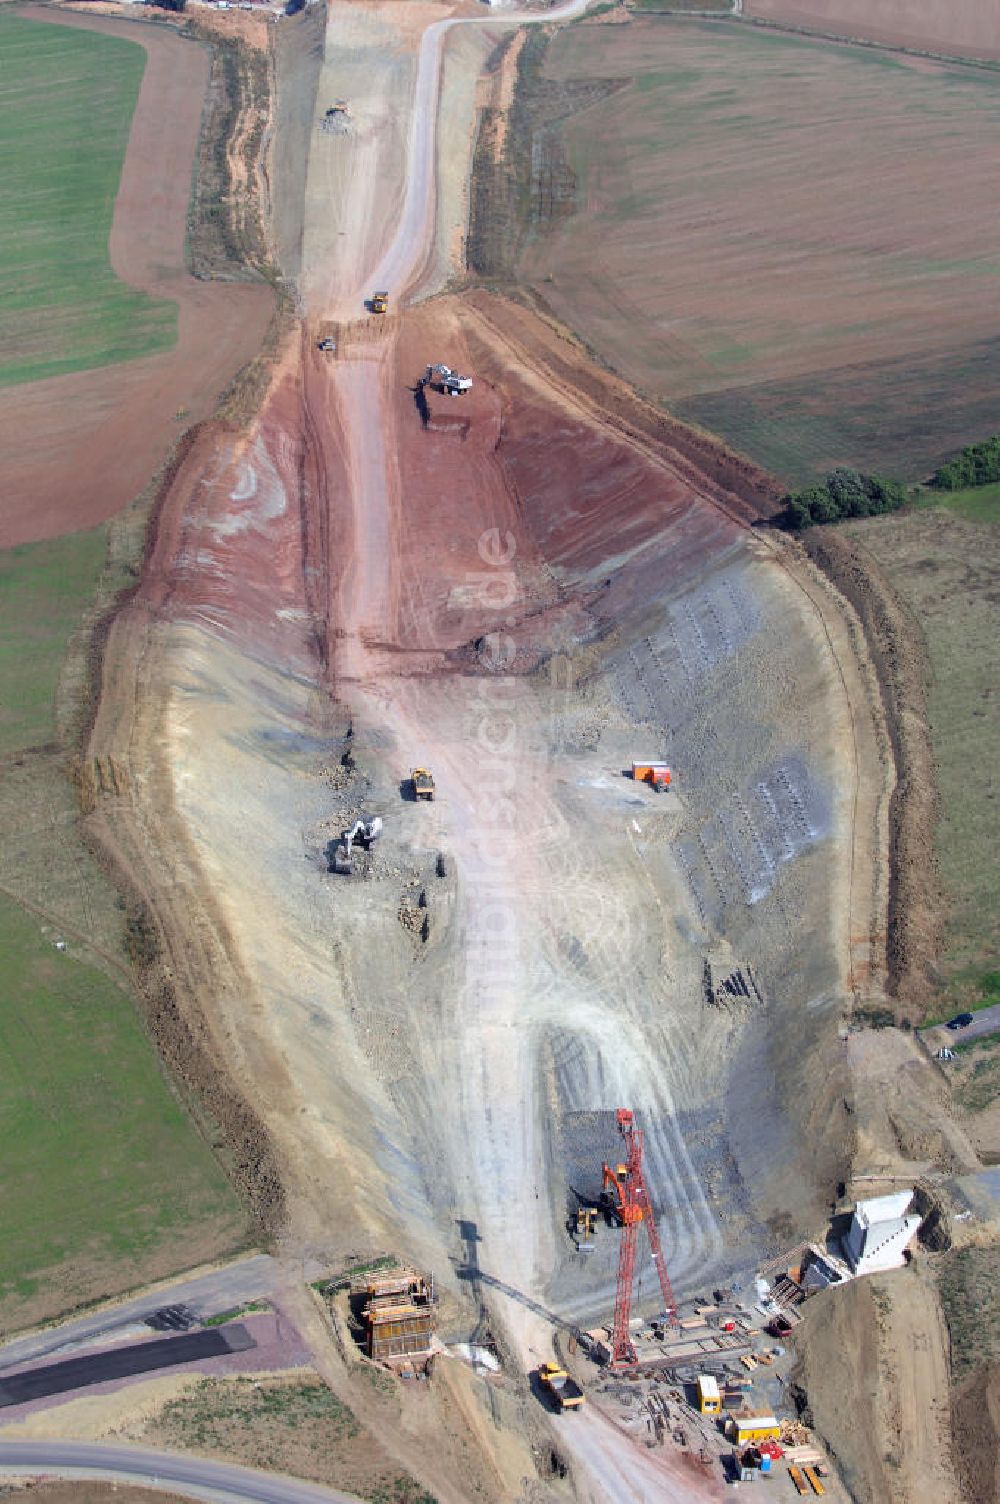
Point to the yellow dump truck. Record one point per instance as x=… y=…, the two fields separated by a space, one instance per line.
x=380 y=302
x=423 y=783
x=556 y=1381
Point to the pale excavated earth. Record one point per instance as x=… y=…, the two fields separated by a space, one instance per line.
x=523 y=593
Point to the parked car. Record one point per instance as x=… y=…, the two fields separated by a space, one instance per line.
x=960 y=1021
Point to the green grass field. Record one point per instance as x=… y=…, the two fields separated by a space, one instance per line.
x=44 y=590
x=977 y=504
x=68 y=98
x=103 y=1182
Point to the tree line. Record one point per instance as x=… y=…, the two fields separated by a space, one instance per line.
x=977 y=465
x=844 y=493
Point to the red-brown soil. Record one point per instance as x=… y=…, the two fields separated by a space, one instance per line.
x=956 y=28
x=80 y=447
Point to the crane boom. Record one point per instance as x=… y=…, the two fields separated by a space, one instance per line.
x=632 y=1203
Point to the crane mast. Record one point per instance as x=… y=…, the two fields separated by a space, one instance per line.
x=625 y=1185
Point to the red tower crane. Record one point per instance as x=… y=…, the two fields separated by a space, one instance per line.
x=625 y=1187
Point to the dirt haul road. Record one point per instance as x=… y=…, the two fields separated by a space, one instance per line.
x=523 y=592
x=492 y=1139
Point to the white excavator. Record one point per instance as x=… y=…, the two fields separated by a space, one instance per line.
x=363 y=833
x=444 y=379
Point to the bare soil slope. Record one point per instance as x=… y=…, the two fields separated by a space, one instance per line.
x=874 y=1368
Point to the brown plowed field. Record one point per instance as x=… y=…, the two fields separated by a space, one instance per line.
x=957 y=28
x=778 y=237
x=78 y=448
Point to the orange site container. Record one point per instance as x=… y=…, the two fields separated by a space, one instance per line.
x=656 y=773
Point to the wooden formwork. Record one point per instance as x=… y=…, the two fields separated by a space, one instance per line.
x=398 y=1316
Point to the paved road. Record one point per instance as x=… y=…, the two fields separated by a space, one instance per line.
x=218 y=1482
x=244 y=1279
x=123 y=1362
x=414 y=233
x=986 y=1021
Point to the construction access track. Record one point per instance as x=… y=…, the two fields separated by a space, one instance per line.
x=521 y=590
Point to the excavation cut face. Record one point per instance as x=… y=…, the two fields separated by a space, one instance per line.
x=523 y=602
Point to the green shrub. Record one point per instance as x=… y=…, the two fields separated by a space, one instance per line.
x=977 y=465
x=844 y=493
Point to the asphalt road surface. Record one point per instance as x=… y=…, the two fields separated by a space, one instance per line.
x=217 y=1482
x=986 y=1021
x=123 y=1363
x=207 y=1294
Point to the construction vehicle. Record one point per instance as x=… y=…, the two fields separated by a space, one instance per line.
x=450 y=383
x=584 y=1228
x=657 y=774
x=327 y=344
x=364 y=832
x=380 y=302
x=423 y=783
x=625 y=1190
x=565 y=1391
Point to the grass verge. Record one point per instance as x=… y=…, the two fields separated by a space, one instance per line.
x=977 y=504
x=988 y=985
x=68 y=101
x=969 y=1282
x=294 y=1425
x=944 y=569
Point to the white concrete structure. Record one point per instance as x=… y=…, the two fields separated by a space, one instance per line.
x=880 y=1232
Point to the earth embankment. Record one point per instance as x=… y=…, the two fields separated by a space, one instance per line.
x=915 y=897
